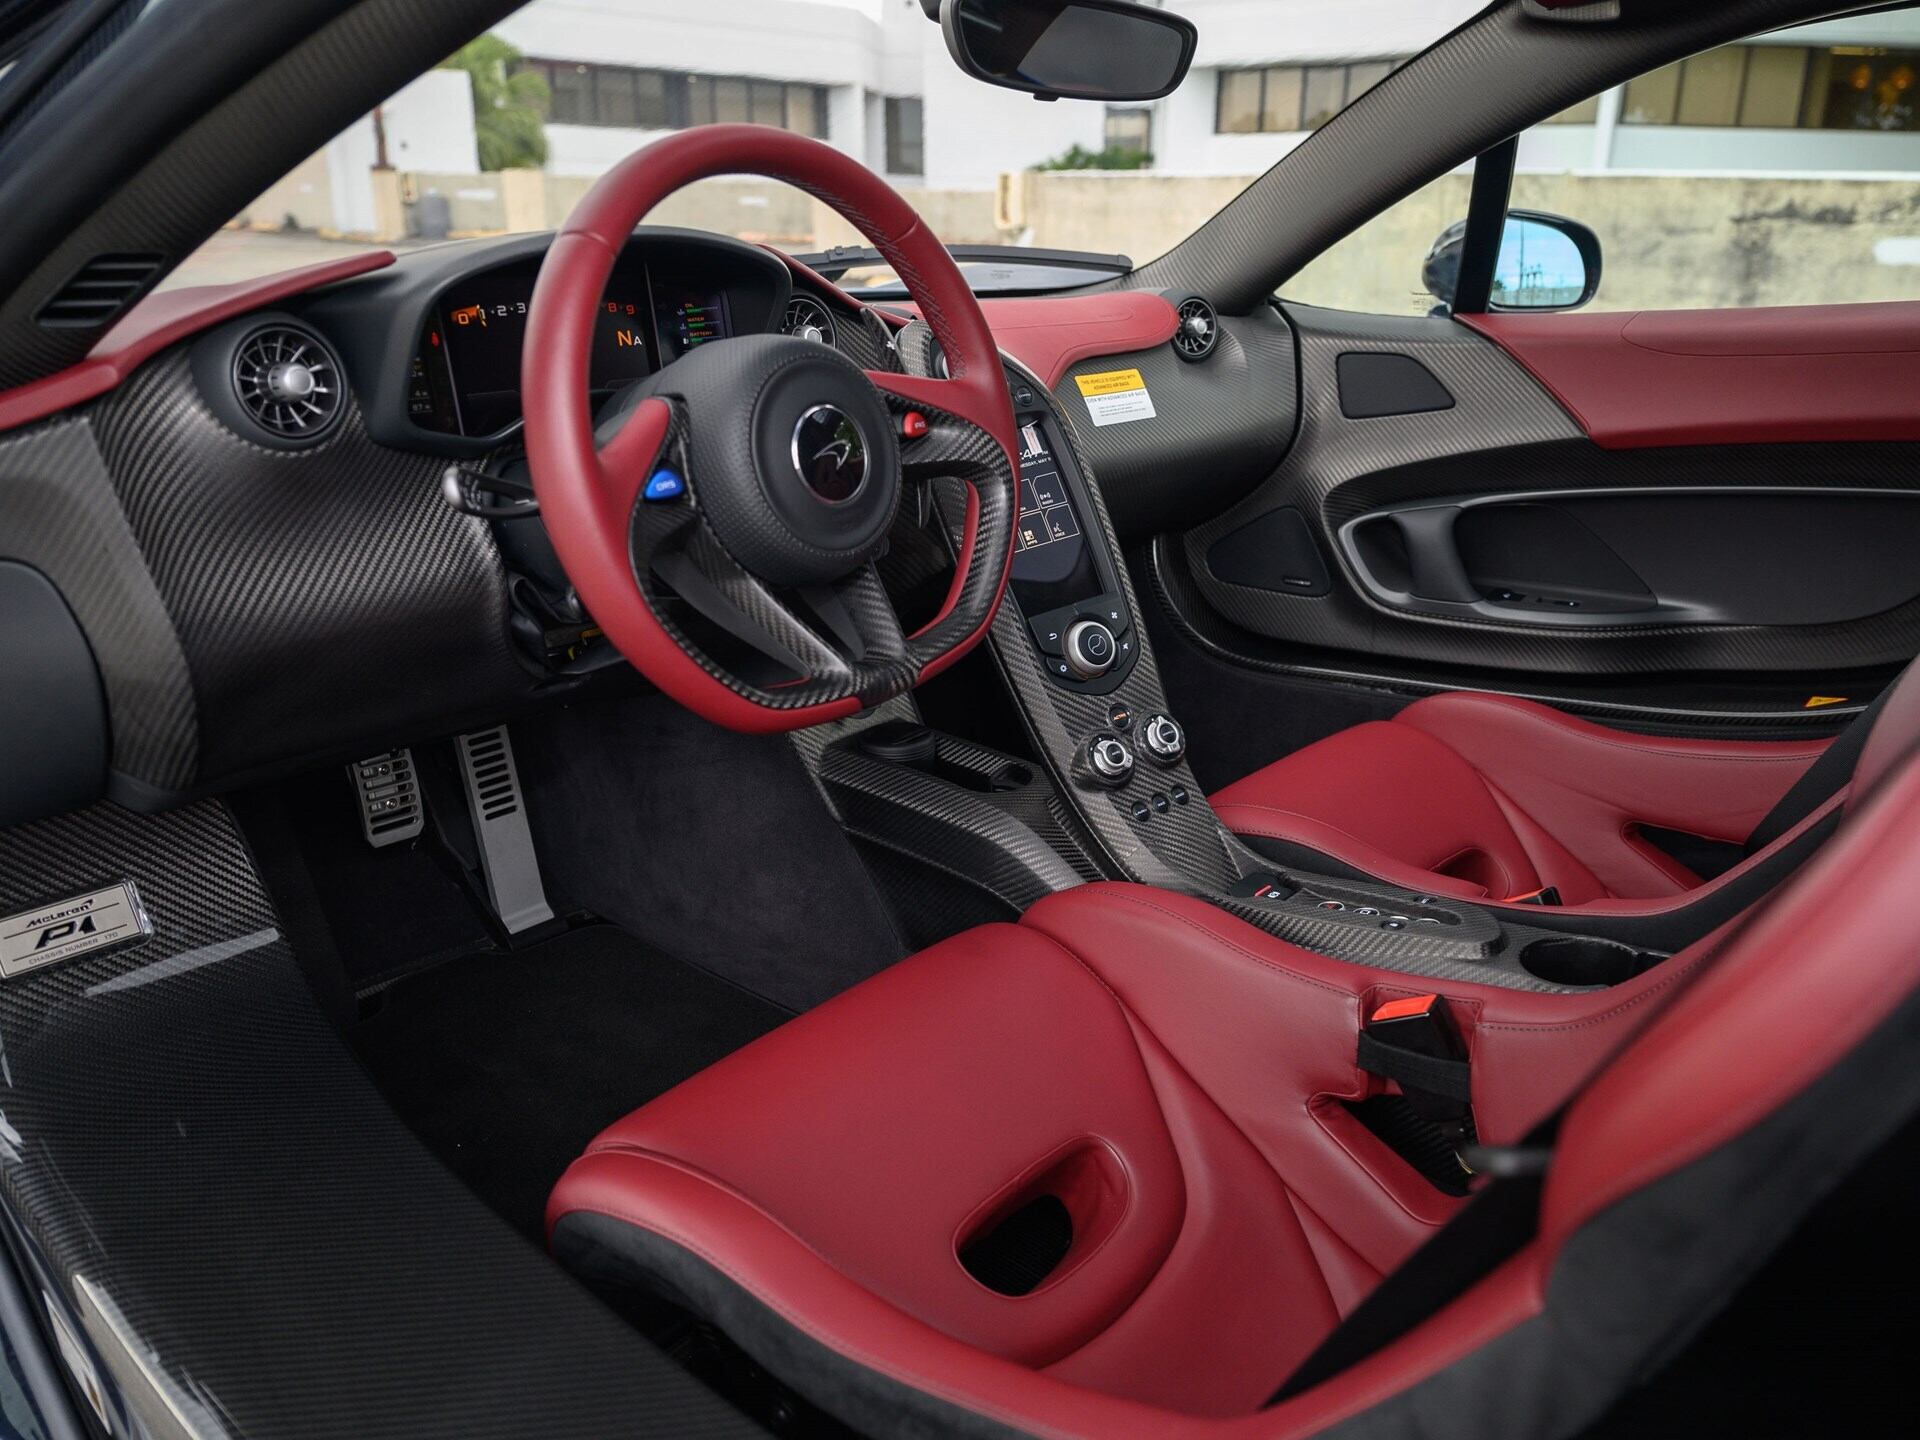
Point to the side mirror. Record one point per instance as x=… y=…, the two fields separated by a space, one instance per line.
x=1546 y=262
x=1072 y=49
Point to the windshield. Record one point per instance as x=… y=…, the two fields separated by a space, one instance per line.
x=511 y=132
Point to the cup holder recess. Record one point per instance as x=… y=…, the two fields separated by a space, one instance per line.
x=1585 y=960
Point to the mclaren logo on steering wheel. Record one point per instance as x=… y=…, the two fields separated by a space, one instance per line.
x=830 y=452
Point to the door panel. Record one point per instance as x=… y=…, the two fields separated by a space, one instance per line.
x=1575 y=559
x=1496 y=535
x=1726 y=377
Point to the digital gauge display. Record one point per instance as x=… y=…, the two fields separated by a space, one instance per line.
x=687 y=317
x=482 y=325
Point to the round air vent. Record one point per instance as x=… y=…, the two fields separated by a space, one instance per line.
x=288 y=383
x=1198 y=331
x=808 y=319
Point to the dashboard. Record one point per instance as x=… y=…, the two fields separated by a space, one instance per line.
x=433 y=344
x=303 y=588
x=465 y=376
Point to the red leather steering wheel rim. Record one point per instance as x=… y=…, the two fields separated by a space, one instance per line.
x=587 y=495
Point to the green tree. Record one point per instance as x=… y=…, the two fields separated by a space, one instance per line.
x=509 y=106
x=1114 y=157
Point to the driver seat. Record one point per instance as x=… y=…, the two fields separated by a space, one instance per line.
x=1097 y=1173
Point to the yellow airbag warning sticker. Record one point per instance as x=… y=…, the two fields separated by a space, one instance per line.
x=1114 y=397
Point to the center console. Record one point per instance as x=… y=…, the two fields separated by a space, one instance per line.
x=1112 y=795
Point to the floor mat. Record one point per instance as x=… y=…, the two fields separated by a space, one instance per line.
x=506 y=1065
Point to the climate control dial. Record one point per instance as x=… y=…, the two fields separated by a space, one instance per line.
x=1165 y=741
x=1107 y=760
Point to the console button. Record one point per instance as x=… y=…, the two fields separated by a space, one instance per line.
x=1166 y=742
x=1090 y=649
x=1050 y=634
x=1142 y=812
x=1108 y=611
x=1159 y=802
x=1120 y=716
x=1179 y=793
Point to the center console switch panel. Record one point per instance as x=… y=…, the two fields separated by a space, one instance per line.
x=1063 y=579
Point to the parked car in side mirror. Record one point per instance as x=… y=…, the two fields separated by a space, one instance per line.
x=1070 y=49
x=1546 y=262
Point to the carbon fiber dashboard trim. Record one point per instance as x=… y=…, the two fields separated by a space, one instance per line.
x=324 y=599
x=248 y=1239
x=59 y=514
x=1016 y=845
x=1219 y=425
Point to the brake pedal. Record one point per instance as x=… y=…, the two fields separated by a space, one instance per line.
x=507 y=860
x=388 y=791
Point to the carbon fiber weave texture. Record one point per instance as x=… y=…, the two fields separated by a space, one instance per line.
x=218 y=1191
x=322 y=597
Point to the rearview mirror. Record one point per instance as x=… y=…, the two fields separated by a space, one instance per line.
x=1072 y=49
x=1546 y=262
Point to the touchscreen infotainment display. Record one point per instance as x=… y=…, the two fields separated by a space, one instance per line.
x=1052 y=563
x=1050 y=540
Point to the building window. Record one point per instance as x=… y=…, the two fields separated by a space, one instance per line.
x=906 y=139
x=1282 y=99
x=620 y=97
x=1129 y=129
x=1781 y=87
x=1587 y=112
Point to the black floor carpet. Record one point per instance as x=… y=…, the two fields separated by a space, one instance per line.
x=506 y=1065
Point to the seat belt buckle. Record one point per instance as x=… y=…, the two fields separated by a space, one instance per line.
x=1414 y=1043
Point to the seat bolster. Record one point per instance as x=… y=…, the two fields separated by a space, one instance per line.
x=1392 y=801
x=622 y=1215
x=1588 y=786
x=889 y=1126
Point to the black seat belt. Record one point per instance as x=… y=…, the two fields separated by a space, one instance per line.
x=1495 y=1225
x=1823 y=779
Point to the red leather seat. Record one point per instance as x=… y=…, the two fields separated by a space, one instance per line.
x=1484 y=797
x=1178 y=1081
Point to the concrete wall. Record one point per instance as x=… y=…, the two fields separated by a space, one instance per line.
x=300 y=200
x=1668 y=241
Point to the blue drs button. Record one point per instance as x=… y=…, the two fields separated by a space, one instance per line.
x=665 y=485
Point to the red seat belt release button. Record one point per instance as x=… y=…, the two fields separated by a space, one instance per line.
x=1412 y=1042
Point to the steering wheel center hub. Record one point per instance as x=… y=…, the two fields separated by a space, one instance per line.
x=830 y=452
x=804 y=490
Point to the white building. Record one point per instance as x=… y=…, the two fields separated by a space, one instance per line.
x=873 y=78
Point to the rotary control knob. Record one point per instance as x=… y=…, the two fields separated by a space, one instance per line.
x=1164 y=739
x=1107 y=761
x=1090 y=649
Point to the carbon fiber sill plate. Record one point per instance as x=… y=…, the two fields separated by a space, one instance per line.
x=80 y=925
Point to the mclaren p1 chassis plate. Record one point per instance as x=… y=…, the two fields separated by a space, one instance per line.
x=73 y=927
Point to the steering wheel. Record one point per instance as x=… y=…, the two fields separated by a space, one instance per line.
x=721 y=522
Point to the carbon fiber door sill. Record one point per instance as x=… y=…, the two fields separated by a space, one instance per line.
x=221 y=1205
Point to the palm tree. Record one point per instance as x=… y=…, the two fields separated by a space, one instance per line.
x=509 y=105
